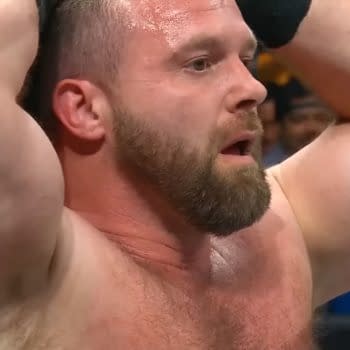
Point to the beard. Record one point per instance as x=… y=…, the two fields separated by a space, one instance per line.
x=213 y=200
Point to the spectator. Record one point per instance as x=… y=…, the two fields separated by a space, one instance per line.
x=268 y=115
x=303 y=118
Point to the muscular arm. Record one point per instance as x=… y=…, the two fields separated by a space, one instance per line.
x=316 y=181
x=321 y=53
x=31 y=183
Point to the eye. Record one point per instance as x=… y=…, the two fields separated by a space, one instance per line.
x=199 y=65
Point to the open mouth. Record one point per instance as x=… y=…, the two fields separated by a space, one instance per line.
x=240 y=148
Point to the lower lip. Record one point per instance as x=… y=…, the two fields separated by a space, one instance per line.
x=237 y=159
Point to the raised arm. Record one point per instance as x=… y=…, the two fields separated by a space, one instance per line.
x=313 y=36
x=31 y=182
x=320 y=51
x=316 y=180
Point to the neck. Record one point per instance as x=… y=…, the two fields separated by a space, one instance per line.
x=161 y=250
x=133 y=215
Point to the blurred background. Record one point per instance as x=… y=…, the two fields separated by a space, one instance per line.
x=293 y=116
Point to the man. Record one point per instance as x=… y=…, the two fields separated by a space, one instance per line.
x=156 y=133
x=303 y=117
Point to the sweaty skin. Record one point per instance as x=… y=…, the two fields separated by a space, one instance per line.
x=118 y=267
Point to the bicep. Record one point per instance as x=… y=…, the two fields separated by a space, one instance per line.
x=31 y=198
x=316 y=182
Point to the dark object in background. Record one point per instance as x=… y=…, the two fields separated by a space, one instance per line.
x=45 y=9
x=275 y=22
x=333 y=333
x=29 y=94
x=286 y=96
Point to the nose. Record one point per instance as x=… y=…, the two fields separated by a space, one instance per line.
x=244 y=91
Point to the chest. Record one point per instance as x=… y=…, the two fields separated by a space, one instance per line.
x=267 y=309
x=268 y=320
x=260 y=299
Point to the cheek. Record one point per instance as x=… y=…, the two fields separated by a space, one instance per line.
x=173 y=111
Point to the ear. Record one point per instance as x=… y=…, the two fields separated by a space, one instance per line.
x=82 y=108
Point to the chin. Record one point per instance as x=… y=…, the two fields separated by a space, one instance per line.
x=231 y=201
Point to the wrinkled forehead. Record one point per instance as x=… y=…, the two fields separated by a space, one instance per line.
x=173 y=18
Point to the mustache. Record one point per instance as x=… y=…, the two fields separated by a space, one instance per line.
x=238 y=123
x=244 y=121
x=248 y=121
x=253 y=122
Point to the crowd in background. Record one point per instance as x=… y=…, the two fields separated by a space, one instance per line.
x=293 y=116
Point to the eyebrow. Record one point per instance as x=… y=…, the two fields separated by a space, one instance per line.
x=204 y=42
x=200 y=42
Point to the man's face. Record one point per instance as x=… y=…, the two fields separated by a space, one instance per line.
x=304 y=124
x=185 y=111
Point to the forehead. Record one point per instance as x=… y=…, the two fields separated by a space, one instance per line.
x=179 y=19
x=170 y=8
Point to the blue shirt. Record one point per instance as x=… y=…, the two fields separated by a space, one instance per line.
x=275 y=156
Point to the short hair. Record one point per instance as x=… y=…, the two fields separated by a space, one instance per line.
x=82 y=40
